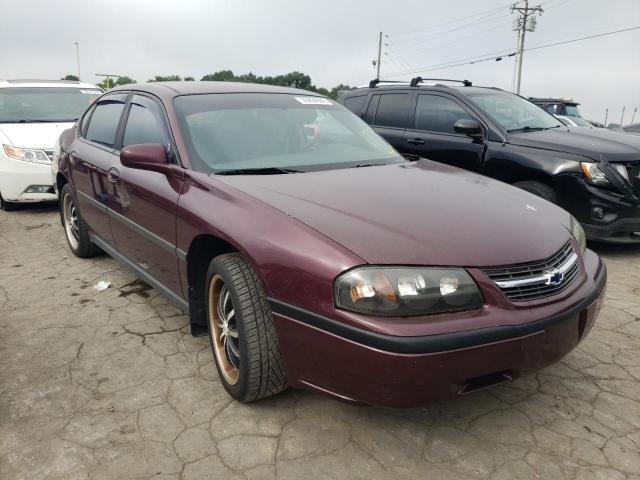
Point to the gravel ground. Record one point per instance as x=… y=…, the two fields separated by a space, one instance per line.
x=110 y=385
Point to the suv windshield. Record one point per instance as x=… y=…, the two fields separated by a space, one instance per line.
x=44 y=104
x=515 y=113
x=572 y=110
x=277 y=133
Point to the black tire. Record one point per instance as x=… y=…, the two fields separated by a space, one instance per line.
x=78 y=236
x=542 y=190
x=7 y=206
x=260 y=371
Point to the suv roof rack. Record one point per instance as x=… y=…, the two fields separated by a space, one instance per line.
x=376 y=81
x=417 y=80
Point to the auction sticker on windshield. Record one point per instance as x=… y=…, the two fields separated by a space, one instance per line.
x=314 y=101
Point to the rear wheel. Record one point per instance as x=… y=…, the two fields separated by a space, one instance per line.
x=75 y=229
x=242 y=334
x=542 y=190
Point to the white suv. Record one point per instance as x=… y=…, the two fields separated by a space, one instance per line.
x=33 y=113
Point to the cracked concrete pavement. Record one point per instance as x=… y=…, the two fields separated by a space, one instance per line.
x=110 y=385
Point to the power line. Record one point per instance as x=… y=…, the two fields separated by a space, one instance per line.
x=430 y=27
x=484 y=58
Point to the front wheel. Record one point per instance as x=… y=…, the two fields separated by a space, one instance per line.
x=241 y=330
x=7 y=206
x=75 y=229
x=542 y=190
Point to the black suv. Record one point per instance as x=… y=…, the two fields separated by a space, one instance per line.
x=594 y=174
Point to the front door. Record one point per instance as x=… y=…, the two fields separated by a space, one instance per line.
x=431 y=134
x=144 y=208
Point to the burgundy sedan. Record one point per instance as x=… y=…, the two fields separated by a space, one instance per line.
x=313 y=254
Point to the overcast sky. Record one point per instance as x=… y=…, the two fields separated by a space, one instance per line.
x=333 y=41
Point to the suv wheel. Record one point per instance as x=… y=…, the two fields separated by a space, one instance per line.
x=241 y=330
x=537 y=188
x=75 y=229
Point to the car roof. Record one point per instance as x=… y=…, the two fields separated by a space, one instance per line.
x=174 y=89
x=33 y=83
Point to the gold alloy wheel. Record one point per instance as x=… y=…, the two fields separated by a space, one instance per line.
x=71 y=225
x=224 y=330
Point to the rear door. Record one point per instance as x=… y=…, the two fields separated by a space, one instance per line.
x=143 y=209
x=92 y=157
x=388 y=113
x=431 y=134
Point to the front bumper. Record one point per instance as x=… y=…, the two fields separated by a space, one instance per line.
x=606 y=215
x=17 y=176
x=367 y=367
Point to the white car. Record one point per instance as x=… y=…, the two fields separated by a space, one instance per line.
x=33 y=113
x=573 y=121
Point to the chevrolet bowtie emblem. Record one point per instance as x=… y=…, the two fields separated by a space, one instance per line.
x=554 y=277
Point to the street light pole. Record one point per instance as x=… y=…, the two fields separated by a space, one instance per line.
x=78 y=58
x=379 y=56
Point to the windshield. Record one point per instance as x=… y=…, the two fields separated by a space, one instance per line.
x=515 y=113
x=243 y=131
x=572 y=110
x=44 y=104
x=580 y=122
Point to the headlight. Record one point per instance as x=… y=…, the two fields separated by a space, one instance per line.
x=578 y=233
x=404 y=291
x=596 y=176
x=27 y=154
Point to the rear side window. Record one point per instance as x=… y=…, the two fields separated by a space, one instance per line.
x=438 y=114
x=392 y=110
x=145 y=123
x=104 y=120
x=355 y=104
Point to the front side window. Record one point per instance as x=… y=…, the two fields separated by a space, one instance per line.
x=514 y=113
x=44 y=104
x=226 y=132
x=392 y=110
x=145 y=123
x=104 y=120
x=435 y=113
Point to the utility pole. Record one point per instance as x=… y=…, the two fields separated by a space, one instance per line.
x=633 y=117
x=606 y=116
x=78 y=58
x=525 y=22
x=379 y=56
x=622 y=117
x=108 y=76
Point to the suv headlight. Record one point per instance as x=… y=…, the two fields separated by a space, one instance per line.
x=596 y=176
x=404 y=291
x=578 y=233
x=27 y=154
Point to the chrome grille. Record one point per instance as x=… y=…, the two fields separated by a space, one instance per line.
x=534 y=280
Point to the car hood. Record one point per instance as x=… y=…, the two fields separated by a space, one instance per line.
x=591 y=143
x=33 y=135
x=421 y=213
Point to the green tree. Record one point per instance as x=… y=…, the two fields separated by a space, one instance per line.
x=73 y=78
x=168 y=78
x=335 y=91
x=124 y=80
x=221 y=76
x=189 y=79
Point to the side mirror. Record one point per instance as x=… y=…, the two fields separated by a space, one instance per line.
x=145 y=156
x=469 y=127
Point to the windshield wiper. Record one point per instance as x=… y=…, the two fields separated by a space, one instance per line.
x=257 y=171
x=526 y=129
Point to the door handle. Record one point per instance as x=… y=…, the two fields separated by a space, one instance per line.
x=416 y=141
x=113 y=175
